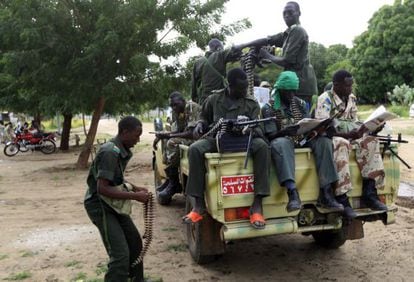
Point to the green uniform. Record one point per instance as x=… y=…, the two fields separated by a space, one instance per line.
x=283 y=148
x=294 y=43
x=183 y=122
x=120 y=236
x=220 y=106
x=213 y=71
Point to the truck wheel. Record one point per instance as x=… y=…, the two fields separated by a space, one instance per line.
x=204 y=240
x=330 y=239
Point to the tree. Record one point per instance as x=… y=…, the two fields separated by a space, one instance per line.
x=383 y=56
x=95 y=55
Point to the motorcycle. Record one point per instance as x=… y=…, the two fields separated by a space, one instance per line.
x=24 y=141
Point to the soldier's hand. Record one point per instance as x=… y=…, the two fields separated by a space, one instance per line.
x=263 y=53
x=154 y=144
x=163 y=135
x=198 y=131
x=141 y=196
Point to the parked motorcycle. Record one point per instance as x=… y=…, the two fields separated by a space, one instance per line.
x=23 y=142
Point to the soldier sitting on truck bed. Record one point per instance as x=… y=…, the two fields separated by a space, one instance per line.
x=185 y=116
x=368 y=155
x=228 y=104
x=289 y=110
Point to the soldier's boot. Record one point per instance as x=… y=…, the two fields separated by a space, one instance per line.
x=172 y=187
x=348 y=210
x=294 y=203
x=370 y=196
x=327 y=200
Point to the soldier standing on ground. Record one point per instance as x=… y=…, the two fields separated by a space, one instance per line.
x=118 y=232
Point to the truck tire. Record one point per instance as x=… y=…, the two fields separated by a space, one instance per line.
x=204 y=240
x=330 y=239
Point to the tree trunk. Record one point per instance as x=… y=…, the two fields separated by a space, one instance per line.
x=90 y=138
x=67 y=123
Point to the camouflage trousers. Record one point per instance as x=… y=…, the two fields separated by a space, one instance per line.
x=368 y=158
x=172 y=151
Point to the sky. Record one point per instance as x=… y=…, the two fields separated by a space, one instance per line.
x=327 y=21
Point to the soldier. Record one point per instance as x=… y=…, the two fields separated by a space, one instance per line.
x=294 y=42
x=185 y=116
x=228 y=104
x=368 y=155
x=120 y=236
x=289 y=110
x=209 y=71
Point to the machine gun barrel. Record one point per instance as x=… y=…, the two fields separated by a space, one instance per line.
x=388 y=138
x=249 y=122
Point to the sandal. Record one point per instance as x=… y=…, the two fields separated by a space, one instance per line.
x=192 y=217
x=257 y=221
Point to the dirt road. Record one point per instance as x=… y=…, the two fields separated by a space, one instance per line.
x=46 y=235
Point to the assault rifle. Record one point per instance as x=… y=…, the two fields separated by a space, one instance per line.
x=319 y=129
x=386 y=142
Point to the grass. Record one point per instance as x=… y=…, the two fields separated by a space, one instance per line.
x=28 y=254
x=101 y=268
x=407 y=131
x=80 y=276
x=169 y=229
x=73 y=263
x=19 y=276
x=177 y=248
x=3 y=256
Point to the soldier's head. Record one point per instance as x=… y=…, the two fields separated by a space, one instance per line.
x=129 y=131
x=291 y=13
x=215 y=45
x=177 y=102
x=342 y=83
x=286 y=86
x=238 y=83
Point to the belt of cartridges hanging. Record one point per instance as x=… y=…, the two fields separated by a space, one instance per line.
x=148 y=208
x=247 y=64
x=296 y=114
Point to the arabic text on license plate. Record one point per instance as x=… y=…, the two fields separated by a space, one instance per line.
x=237 y=185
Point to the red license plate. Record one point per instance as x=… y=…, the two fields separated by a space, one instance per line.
x=237 y=185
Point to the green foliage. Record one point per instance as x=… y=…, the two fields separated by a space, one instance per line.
x=3 y=256
x=383 y=56
x=64 y=55
x=177 y=248
x=401 y=95
x=80 y=276
x=19 y=276
x=400 y=110
x=73 y=263
x=326 y=61
x=101 y=268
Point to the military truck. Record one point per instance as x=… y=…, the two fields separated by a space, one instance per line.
x=229 y=194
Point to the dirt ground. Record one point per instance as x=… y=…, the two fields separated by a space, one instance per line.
x=47 y=236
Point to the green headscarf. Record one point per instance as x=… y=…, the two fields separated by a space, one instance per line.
x=287 y=80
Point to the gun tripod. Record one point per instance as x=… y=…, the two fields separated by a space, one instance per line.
x=386 y=141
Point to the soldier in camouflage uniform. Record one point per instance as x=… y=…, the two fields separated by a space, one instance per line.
x=289 y=110
x=351 y=132
x=185 y=116
x=228 y=104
